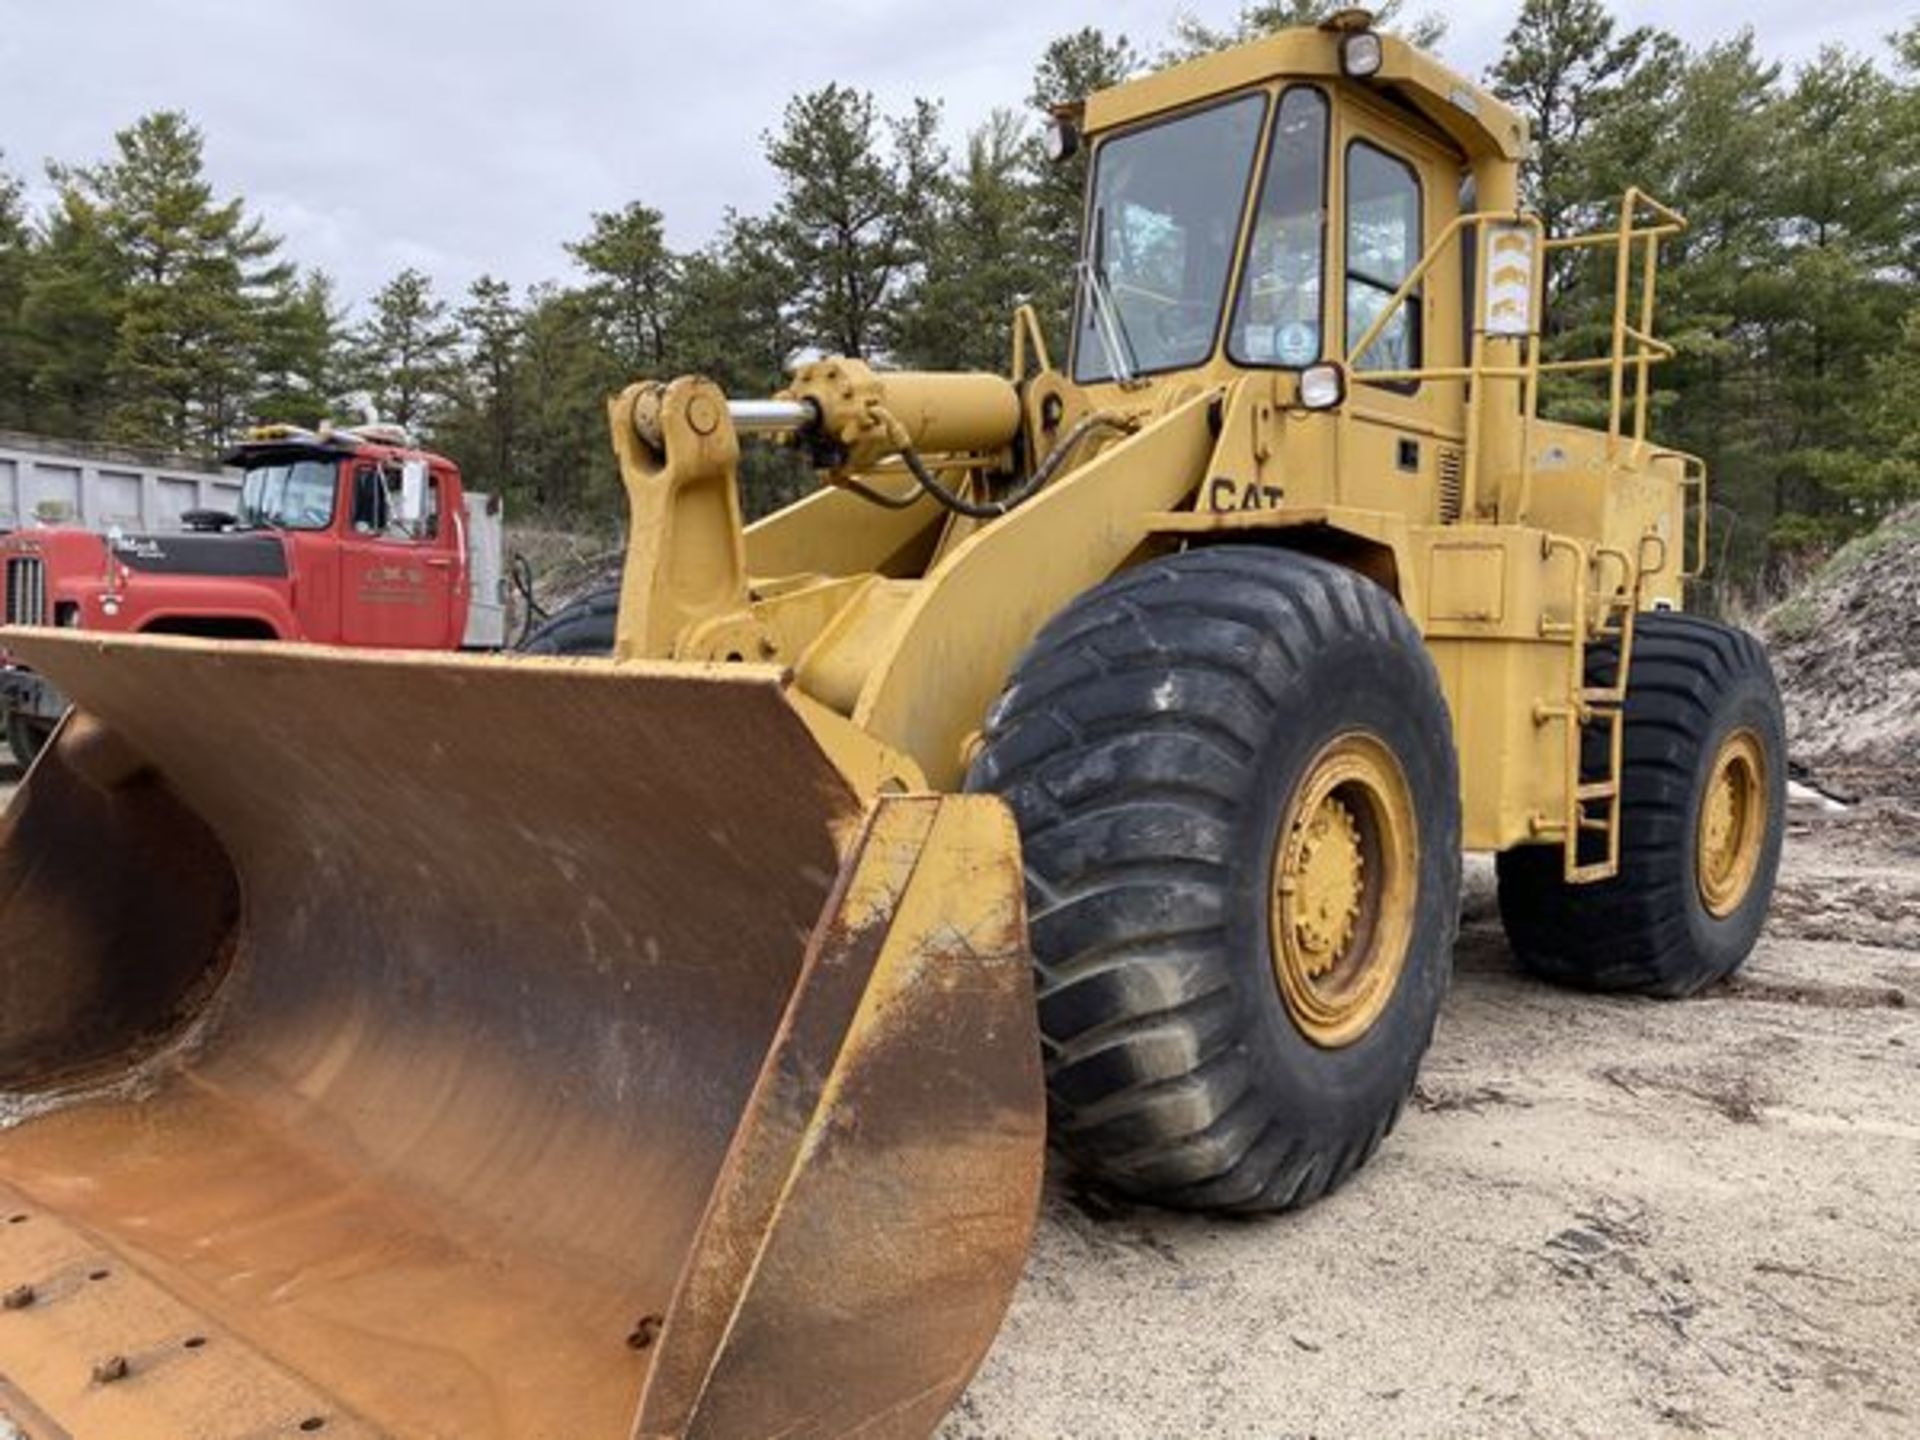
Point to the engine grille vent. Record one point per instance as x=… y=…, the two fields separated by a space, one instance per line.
x=1453 y=470
x=26 y=590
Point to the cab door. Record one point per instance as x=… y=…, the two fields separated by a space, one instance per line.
x=397 y=572
x=1397 y=189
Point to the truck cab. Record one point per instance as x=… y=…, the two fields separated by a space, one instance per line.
x=340 y=537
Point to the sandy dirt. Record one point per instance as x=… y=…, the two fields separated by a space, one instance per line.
x=1598 y=1217
x=1847 y=652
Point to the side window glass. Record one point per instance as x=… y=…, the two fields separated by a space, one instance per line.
x=1383 y=246
x=369 y=501
x=430 y=522
x=377 y=508
x=1276 y=320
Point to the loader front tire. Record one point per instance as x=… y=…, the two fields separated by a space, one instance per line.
x=1703 y=812
x=1238 y=798
x=581 y=627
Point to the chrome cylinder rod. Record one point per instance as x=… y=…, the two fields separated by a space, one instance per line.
x=772 y=417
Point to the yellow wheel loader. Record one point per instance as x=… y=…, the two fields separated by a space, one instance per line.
x=651 y=1045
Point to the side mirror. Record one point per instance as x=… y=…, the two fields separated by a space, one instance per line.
x=413 y=495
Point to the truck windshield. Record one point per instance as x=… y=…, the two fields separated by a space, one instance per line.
x=297 y=495
x=1167 y=202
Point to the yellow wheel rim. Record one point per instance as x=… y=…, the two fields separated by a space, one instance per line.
x=1345 y=876
x=1732 y=824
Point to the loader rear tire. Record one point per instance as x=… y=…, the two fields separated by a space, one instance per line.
x=1174 y=743
x=582 y=627
x=1705 y=751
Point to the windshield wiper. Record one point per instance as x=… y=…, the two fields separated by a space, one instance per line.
x=1101 y=309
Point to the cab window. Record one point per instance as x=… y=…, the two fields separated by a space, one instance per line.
x=1166 y=211
x=295 y=495
x=1277 y=320
x=376 y=505
x=1383 y=247
x=429 y=528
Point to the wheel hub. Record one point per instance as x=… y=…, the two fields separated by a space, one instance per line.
x=1732 y=825
x=1345 y=880
x=1330 y=885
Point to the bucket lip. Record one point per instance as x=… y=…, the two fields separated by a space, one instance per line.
x=864 y=765
x=40 y=644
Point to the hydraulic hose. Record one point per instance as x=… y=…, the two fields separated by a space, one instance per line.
x=1041 y=477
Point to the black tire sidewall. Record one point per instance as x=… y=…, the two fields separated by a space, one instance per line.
x=1648 y=930
x=1722 y=943
x=585 y=626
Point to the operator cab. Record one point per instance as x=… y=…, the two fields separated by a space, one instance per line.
x=1270 y=225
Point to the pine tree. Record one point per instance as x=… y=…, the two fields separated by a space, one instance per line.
x=632 y=280
x=297 y=362
x=195 y=275
x=492 y=326
x=1836 y=298
x=849 y=227
x=406 y=353
x=1570 y=71
x=733 y=318
x=562 y=453
x=981 y=262
x=69 y=318
x=15 y=258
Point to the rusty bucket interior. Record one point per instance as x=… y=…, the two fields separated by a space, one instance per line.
x=485 y=1047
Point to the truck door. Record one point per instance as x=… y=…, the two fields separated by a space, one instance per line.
x=396 y=576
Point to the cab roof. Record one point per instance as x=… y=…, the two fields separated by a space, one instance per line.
x=263 y=448
x=1482 y=125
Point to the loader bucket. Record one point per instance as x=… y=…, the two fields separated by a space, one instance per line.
x=466 y=1046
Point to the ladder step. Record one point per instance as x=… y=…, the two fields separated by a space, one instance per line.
x=1604 y=790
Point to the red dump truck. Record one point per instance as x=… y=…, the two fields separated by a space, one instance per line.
x=339 y=537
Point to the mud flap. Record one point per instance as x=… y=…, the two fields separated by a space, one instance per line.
x=484 y=1047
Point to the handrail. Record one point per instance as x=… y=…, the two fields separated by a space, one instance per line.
x=1693 y=490
x=1634 y=348
x=1412 y=283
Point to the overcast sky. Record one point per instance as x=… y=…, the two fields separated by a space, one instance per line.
x=478 y=137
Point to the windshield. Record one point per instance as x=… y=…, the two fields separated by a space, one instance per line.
x=1167 y=202
x=297 y=495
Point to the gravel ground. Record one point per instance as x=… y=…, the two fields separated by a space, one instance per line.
x=1598 y=1217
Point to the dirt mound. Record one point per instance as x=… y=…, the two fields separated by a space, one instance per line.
x=1847 y=650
